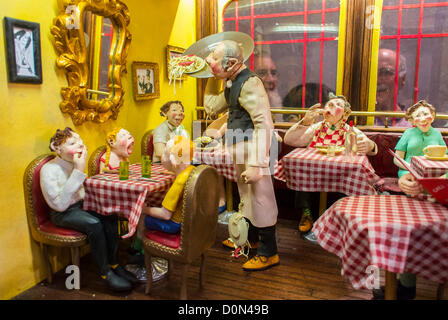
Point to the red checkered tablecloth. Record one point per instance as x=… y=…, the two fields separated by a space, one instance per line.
x=306 y=169
x=429 y=168
x=126 y=197
x=395 y=233
x=219 y=159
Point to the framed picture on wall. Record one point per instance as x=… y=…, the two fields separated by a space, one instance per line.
x=23 y=54
x=173 y=52
x=145 y=78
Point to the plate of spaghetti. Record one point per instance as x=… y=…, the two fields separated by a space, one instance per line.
x=184 y=64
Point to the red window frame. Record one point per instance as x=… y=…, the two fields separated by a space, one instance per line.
x=420 y=35
x=305 y=39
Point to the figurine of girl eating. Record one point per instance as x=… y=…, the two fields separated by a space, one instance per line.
x=119 y=144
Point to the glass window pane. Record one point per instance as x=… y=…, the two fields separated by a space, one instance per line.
x=409 y=21
x=230 y=10
x=276 y=7
x=284 y=40
x=332 y=4
x=244 y=8
x=331 y=24
x=422 y=69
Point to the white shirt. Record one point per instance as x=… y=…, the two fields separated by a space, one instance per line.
x=164 y=132
x=61 y=184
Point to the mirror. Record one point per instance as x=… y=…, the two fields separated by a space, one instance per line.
x=92 y=39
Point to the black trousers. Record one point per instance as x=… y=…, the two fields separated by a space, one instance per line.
x=102 y=232
x=267 y=244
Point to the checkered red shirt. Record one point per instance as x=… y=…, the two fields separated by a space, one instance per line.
x=126 y=197
x=306 y=169
x=395 y=233
x=326 y=136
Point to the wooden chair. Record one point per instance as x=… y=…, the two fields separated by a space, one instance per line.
x=94 y=160
x=42 y=229
x=198 y=232
x=147 y=144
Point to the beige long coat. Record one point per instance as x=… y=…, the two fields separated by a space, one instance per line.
x=259 y=204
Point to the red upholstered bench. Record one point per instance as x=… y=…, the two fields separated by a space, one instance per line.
x=383 y=161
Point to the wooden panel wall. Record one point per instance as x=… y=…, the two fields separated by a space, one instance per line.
x=206 y=24
x=357 y=55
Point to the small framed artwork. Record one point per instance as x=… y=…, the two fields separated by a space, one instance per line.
x=23 y=54
x=173 y=52
x=145 y=78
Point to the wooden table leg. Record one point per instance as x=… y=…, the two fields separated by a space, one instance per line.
x=391 y=286
x=229 y=195
x=442 y=291
x=322 y=203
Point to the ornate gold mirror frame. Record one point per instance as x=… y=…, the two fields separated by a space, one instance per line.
x=68 y=32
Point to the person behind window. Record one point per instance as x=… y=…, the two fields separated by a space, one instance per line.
x=385 y=91
x=312 y=91
x=266 y=69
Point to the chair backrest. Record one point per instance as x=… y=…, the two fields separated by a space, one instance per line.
x=37 y=210
x=200 y=212
x=94 y=160
x=147 y=144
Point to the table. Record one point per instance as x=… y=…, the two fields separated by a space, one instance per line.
x=428 y=168
x=220 y=159
x=396 y=233
x=107 y=195
x=306 y=169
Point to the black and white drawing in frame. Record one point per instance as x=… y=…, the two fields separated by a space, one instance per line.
x=22 y=44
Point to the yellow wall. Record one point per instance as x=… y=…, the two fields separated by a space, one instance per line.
x=31 y=114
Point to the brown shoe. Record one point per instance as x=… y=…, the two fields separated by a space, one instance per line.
x=229 y=244
x=259 y=263
x=306 y=222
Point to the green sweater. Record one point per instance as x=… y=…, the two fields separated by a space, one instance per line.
x=413 y=141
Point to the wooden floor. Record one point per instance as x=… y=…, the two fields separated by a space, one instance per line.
x=306 y=271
